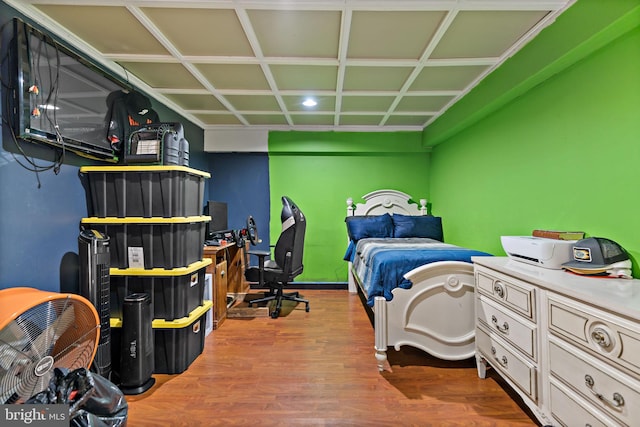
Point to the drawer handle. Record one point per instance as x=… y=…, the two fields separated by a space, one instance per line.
x=601 y=337
x=504 y=328
x=503 y=360
x=498 y=288
x=618 y=400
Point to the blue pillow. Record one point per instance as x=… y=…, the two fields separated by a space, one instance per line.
x=378 y=226
x=417 y=226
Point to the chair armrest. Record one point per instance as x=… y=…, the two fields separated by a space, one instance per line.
x=259 y=254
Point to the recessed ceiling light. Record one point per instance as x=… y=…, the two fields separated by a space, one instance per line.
x=309 y=102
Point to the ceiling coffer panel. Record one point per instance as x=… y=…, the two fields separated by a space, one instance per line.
x=392 y=34
x=247 y=77
x=296 y=33
x=108 y=29
x=479 y=34
x=208 y=32
x=394 y=65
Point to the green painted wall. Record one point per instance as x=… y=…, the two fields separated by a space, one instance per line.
x=320 y=170
x=563 y=155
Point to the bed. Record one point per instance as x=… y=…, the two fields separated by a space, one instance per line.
x=420 y=289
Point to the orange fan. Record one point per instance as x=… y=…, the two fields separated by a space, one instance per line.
x=40 y=331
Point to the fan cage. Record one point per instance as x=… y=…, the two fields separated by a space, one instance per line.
x=61 y=332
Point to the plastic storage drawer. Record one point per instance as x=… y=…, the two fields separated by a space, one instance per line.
x=143 y=191
x=174 y=293
x=152 y=242
x=177 y=343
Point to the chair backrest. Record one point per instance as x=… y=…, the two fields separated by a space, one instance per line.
x=290 y=245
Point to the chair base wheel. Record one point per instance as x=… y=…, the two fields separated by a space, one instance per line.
x=279 y=296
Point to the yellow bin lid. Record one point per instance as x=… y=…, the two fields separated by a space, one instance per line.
x=179 y=271
x=152 y=168
x=142 y=220
x=180 y=323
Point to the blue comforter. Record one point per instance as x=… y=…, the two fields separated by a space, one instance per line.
x=381 y=264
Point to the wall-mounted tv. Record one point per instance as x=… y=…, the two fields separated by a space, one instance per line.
x=56 y=97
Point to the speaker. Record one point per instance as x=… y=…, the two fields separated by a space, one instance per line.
x=136 y=355
x=93 y=251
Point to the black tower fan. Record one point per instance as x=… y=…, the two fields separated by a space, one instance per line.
x=95 y=261
x=136 y=351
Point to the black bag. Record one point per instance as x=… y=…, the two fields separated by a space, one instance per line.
x=93 y=400
x=126 y=112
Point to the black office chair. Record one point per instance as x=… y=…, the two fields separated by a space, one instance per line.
x=287 y=263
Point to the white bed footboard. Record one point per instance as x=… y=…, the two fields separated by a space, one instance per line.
x=435 y=315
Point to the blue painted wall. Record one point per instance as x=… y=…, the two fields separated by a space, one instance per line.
x=242 y=181
x=39 y=226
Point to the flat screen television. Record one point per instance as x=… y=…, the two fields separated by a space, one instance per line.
x=54 y=96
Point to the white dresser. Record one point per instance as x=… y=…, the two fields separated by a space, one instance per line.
x=568 y=345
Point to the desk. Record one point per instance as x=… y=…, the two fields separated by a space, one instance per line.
x=227 y=273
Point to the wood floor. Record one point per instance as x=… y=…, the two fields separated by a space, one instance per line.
x=318 y=369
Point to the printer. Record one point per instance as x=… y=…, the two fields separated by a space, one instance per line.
x=540 y=251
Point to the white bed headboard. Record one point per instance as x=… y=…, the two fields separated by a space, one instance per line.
x=386 y=201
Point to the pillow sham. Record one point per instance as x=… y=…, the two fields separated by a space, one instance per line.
x=377 y=226
x=417 y=226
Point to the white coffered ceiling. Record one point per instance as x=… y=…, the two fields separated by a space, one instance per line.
x=370 y=64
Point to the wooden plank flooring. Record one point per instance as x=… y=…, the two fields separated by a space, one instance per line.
x=318 y=369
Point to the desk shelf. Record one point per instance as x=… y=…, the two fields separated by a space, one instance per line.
x=227 y=271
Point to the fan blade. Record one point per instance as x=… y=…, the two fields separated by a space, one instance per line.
x=13 y=341
x=35 y=385
x=10 y=352
x=74 y=357
x=14 y=360
x=12 y=379
x=31 y=384
x=44 y=342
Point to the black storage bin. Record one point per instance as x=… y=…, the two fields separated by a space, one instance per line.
x=143 y=191
x=174 y=293
x=178 y=346
x=162 y=242
x=177 y=343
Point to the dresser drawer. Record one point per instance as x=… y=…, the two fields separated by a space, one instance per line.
x=613 y=338
x=513 y=293
x=513 y=328
x=616 y=394
x=507 y=361
x=567 y=408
